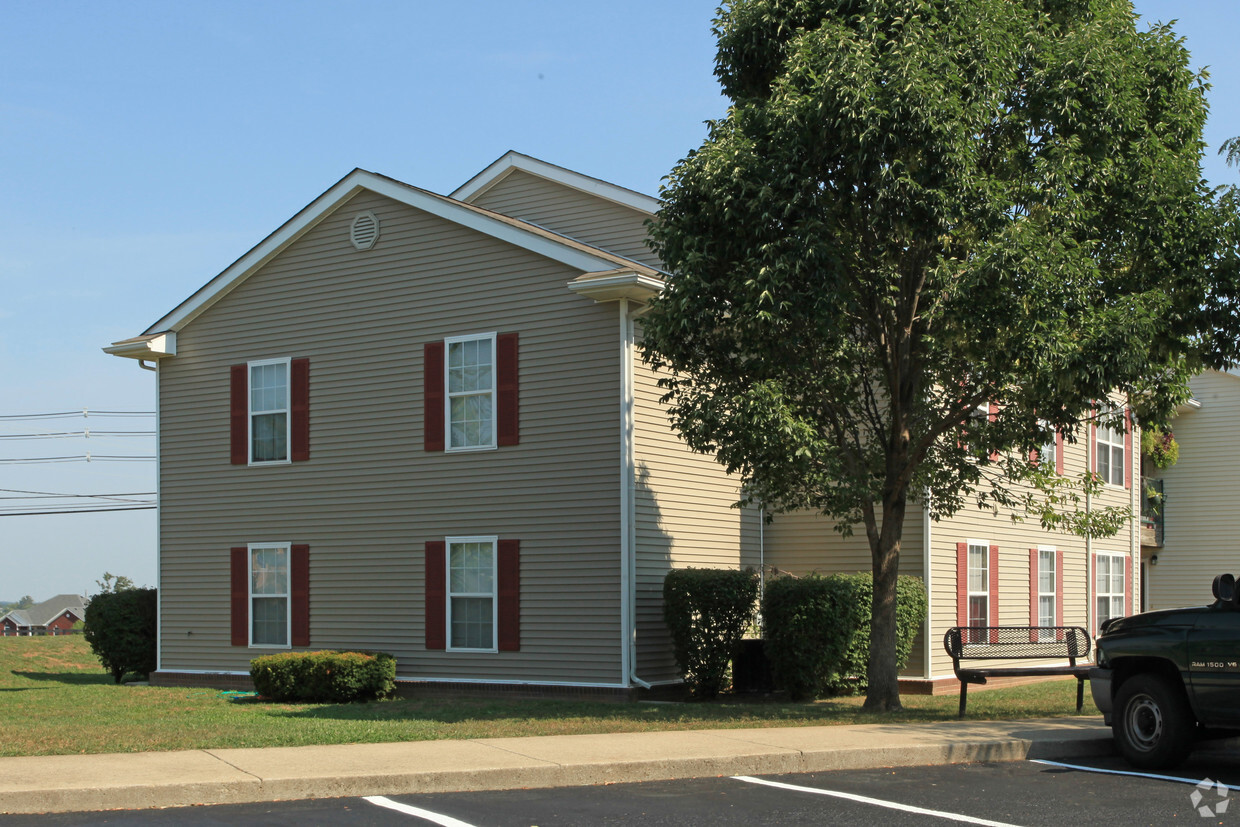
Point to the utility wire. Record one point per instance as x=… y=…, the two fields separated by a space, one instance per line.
x=40 y=494
x=85 y=413
x=100 y=510
x=83 y=458
x=70 y=434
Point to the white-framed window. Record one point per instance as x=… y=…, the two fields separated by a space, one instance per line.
x=979 y=588
x=270 y=618
x=1109 y=586
x=471 y=593
x=1109 y=449
x=1046 y=453
x=269 y=411
x=1047 y=616
x=469 y=381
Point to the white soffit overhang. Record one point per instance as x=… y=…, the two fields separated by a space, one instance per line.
x=511 y=160
x=339 y=195
x=154 y=346
x=614 y=285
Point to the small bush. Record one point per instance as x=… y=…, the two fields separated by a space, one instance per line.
x=120 y=628
x=818 y=630
x=808 y=622
x=324 y=677
x=910 y=616
x=707 y=612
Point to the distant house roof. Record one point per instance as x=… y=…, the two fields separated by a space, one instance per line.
x=41 y=614
x=160 y=338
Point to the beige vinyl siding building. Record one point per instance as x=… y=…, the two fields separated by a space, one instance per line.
x=1201 y=521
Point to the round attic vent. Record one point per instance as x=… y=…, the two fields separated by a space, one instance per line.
x=365 y=230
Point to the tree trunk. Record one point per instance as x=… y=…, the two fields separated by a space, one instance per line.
x=884 y=690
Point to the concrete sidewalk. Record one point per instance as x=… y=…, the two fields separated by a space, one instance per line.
x=60 y=783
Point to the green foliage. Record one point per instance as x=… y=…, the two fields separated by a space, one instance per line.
x=24 y=603
x=1160 y=447
x=911 y=606
x=808 y=623
x=707 y=612
x=325 y=676
x=114 y=583
x=913 y=209
x=120 y=628
x=818 y=630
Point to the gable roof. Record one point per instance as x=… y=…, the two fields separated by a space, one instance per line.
x=512 y=161
x=41 y=614
x=160 y=338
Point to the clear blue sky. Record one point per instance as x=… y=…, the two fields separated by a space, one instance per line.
x=146 y=145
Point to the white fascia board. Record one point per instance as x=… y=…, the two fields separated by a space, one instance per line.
x=145 y=347
x=617 y=285
x=511 y=160
x=334 y=199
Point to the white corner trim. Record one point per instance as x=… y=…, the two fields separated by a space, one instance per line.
x=511 y=160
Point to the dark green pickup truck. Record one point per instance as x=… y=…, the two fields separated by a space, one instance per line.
x=1163 y=677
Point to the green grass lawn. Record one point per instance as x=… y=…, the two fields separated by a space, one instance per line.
x=55 y=699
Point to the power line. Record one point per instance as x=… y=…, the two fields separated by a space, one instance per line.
x=85 y=413
x=83 y=458
x=100 y=510
x=38 y=494
x=70 y=434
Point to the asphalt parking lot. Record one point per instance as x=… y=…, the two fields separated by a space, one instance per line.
x=1019 y=792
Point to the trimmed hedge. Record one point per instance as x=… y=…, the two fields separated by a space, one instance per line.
x=120 y=628
x=707 y=612
x=324 y=677
x=818 y=630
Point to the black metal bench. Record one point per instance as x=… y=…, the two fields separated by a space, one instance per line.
x=1018 y=643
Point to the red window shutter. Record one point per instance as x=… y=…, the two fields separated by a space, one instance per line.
x=1127 y=449
x=1093 y=592
x=299 y=402
x=509 y=594
x=432 y=397
x=507 y=386
x=239 y=414
x=962 y=584
x=240 y=569
x=993 y=598
x=1034 y=603
x=299 y=581
x=992 y=415
x=1058 y=452
x=1091 y=461
x=436 y=594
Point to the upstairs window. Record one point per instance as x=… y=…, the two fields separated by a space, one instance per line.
x=470 y=380
x=1110 y=453
x=269 y=411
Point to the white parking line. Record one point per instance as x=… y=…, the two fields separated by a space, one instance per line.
x=1182 y=780
x=875 y=801
x=434 y=818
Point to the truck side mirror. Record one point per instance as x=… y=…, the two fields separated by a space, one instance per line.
x=1224 y=588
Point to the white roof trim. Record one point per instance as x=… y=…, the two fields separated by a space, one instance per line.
x=337 y=196
x=145 y=347
x=511 y=160
x=615 y=285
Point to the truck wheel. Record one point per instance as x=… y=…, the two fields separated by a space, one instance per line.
x=1153 y=725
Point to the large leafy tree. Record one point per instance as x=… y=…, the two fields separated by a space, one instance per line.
x=927 y=235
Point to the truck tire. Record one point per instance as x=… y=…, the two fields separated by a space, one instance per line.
x=1152 y=724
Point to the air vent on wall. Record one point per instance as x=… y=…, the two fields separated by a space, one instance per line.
x=365 y=230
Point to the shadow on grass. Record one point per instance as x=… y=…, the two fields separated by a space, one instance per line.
x=70 y=678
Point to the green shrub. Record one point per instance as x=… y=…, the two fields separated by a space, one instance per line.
x=324 y=677
x=807 y=622
x=910 y=616
x=817 y=630
x=707 y=612
x=120 y=628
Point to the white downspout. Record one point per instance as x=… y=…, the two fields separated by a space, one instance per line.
x=628 y=511
x=159 y=513
x=926 y=572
